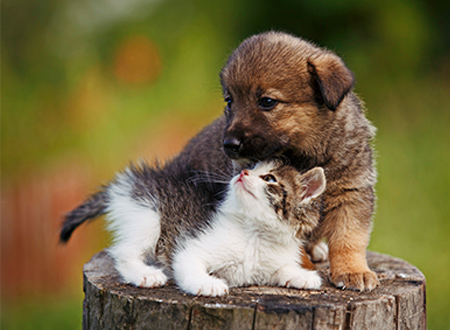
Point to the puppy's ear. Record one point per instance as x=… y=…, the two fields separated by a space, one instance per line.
x=332 y=77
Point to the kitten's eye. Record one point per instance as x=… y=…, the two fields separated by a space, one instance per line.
x=268 y=178
x=266 y=103
x=229 y=101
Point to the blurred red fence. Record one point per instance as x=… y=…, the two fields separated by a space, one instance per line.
x=32 y=260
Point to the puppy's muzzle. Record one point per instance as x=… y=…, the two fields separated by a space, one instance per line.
x=232 y=147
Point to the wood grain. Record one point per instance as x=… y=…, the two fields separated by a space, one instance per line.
x=399 y=303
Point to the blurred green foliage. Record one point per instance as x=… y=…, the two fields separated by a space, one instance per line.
x=62 y=314
x=63 y=99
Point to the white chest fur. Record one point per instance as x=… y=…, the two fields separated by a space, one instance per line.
x=232 y=253
x=251 y=255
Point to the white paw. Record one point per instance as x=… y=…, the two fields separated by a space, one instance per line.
x=208 y=287
x=319 y=252
x=213 y=287
x=153 y=279
x=305 y=280
x=147 y=277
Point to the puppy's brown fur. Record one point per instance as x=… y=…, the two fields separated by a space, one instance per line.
x=316 y=121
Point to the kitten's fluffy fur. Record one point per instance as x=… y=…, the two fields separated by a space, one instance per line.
x=254 y=237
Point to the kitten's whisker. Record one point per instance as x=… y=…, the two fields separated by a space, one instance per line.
x=215 y=174
x=196 y=180
x=208 y=177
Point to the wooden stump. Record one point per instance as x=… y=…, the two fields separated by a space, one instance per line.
x=399 y=303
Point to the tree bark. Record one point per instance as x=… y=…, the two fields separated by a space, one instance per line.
x=398 y=303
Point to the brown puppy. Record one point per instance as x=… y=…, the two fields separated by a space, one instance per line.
x=288 y=98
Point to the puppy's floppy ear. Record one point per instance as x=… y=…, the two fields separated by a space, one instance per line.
x=332 y=77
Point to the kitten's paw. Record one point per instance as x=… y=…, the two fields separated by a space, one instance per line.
x=213 y=287
x=208 y=287
x=306 y=280
x=148 y=277
x=153 y=279
x=319 y=252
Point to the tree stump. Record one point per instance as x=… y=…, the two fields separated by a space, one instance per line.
x=398 y=303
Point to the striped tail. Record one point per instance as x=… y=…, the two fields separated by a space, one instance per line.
x=91 y=208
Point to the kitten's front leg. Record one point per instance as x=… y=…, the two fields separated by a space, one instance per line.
x=293 y=276
x=319 y=252
x=191 y=275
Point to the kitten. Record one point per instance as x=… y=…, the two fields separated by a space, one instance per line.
x=165 y=226
x=256 y=235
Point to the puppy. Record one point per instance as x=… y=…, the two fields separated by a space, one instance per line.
x=288 y=98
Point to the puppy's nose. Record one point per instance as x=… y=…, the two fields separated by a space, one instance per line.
x=232 y=146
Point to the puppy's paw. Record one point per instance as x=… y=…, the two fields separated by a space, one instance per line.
x=361 y=281
x=319 y=252
x=147 y=277
x=305 y=280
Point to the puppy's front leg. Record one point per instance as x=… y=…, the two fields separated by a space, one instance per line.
x=348 y=224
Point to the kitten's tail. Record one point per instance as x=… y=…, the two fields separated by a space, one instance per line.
x=90 y=209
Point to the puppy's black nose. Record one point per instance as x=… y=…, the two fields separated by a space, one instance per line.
x=232 y=146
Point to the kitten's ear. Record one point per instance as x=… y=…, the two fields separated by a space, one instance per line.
x=332 y=77
x=313 y=184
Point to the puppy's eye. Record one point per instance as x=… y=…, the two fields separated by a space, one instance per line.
x=266 y=103
x=229 y=101
x=268 y=178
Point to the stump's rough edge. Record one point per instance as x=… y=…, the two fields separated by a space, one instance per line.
x=399 y=302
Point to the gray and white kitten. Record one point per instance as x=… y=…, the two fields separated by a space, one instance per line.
x=164 y=227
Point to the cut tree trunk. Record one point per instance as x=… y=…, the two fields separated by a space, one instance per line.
x=398 y=303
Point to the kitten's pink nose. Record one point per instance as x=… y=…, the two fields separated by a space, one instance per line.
x=243 y=173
